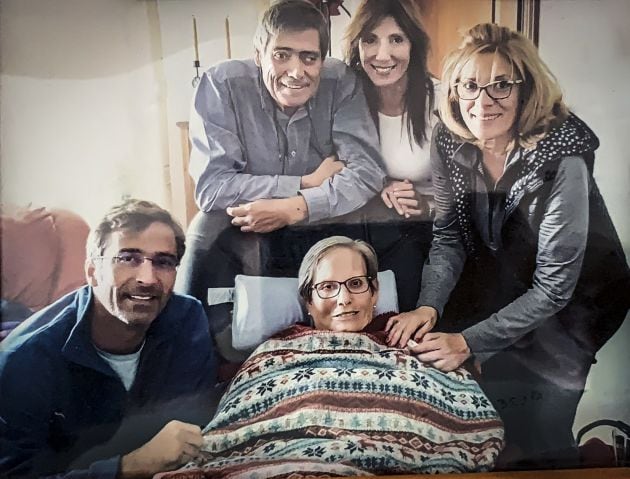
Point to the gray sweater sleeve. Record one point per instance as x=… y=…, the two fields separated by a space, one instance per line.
x=561 y=245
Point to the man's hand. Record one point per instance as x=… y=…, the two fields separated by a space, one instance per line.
x=444 y=351
x=401 y=195
x=327 y=169
x=264 y=216
x=176 y=444
x=414 y=323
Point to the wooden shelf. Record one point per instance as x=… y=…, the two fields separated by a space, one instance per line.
x=190 y=207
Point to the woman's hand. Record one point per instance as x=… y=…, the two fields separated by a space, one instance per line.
x=402 y=327
x=401 y=195
x=444 y=351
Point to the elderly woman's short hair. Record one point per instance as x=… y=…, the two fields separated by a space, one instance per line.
x=291 y=16
x=306 y=275
x=541 y=107
x=135 y=216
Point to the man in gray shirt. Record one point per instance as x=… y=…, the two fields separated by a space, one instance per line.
x=282 y=139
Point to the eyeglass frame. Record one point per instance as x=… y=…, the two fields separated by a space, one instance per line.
x=343 y=283
x=117 y=259
x=485 y=87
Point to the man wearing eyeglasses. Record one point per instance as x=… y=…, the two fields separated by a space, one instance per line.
x=114 y=379
x=282 y=139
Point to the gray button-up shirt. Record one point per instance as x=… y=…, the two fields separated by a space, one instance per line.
x=242 y=150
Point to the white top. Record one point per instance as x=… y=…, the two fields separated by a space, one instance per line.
x=125 y=365
x=404 y=159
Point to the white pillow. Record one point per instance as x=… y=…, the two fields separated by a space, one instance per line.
x=264 y=306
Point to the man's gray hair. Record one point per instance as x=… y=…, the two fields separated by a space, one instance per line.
x=306 y=275
x=291 y=16
x=135 y=216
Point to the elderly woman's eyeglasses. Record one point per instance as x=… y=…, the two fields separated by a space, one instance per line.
x=331 y=289
x=133 y=259
x=497 y=90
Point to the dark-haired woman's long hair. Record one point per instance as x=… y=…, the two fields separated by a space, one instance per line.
x=419 y=96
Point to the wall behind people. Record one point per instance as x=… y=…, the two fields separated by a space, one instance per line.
x=91 y=91
x=587 y=46
x=82 y=110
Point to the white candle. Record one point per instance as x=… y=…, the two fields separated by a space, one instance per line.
x=196 y=43
x=227 y=38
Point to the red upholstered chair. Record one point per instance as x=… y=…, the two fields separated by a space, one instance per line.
x=43 y=254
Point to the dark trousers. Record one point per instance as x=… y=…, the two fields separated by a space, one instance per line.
x=538 y=415
x=534 y=387
x=401 y=244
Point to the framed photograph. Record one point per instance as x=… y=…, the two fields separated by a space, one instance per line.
x=100 y=102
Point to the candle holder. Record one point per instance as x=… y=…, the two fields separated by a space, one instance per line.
x=196 y=64
x=196 y=78
x=330 y=8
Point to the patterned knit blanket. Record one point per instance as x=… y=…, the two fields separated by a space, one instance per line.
x=323 y=404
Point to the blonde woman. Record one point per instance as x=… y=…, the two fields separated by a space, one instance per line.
x=517 y=204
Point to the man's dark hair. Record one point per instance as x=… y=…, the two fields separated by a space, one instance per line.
x=291 y=16
x=136 y=216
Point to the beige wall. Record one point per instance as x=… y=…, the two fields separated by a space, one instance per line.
x=82 y=103
x=90 y=91
x=445 y=21
x=586 y=44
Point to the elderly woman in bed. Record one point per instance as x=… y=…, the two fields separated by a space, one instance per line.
x=338 y=283
x=337 y=400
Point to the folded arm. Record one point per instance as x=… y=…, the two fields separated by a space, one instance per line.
x=342 y=183
x=356 y=145
x=217 y=157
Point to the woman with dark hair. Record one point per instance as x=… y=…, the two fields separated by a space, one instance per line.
x=519 y=212
x=387 y=46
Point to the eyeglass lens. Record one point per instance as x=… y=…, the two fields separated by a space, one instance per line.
x=330 y=289
x=133 y=259
x=498 y=90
